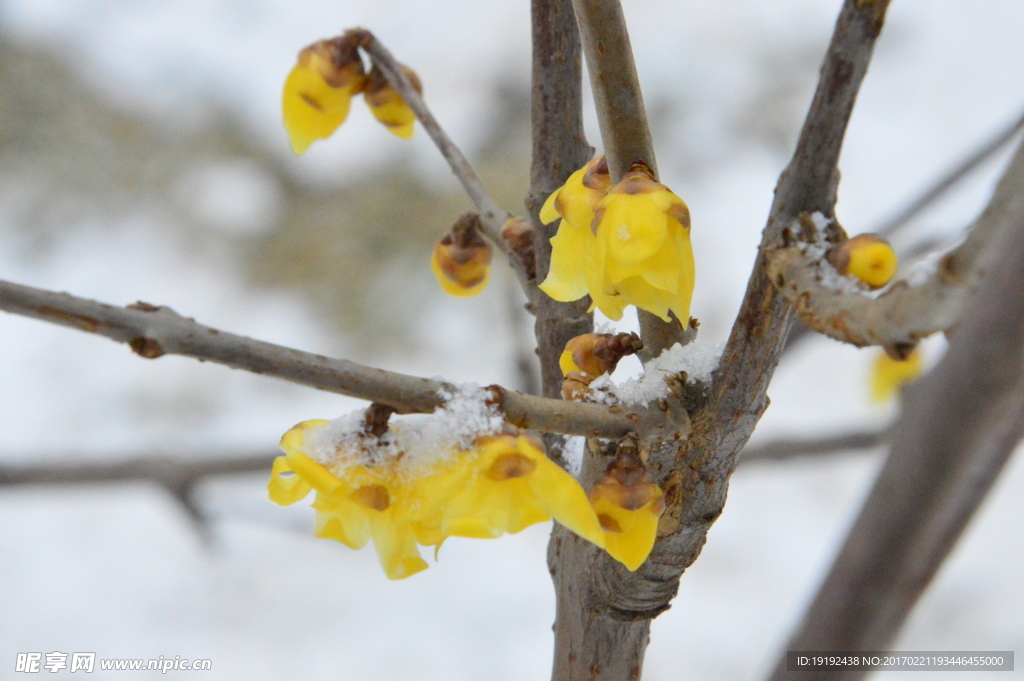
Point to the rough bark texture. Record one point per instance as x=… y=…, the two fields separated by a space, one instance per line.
x=559 y=149
x=960 y=425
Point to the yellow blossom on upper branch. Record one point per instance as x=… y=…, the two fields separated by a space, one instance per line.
x=387 y=105
x=889 y=375
x=319 y=90
x=575 y=202
x=627 y=244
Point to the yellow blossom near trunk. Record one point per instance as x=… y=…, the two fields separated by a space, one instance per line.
x=889 y=375
x=319 y=90
x=387 y=105
x=629 y=517
x=574 y=202
x=504 y=485
x=642 y=253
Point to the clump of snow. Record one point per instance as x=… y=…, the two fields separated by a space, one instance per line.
x=413 y=443
x=697 y=359
x=573 y=449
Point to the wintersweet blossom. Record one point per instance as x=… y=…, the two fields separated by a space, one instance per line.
x=407 y=488
x=574 y=202
x=358 y=504
x=319 y=90
x=629 y=515
x=889 y=375
x=642 y=253
x=507 y=484
x=387 y=105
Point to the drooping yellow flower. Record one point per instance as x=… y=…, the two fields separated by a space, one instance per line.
x=629 y=517
x=575 y=202
x=505 y=484
x=387 y=105
x=642 y=253
x=867 y=257
x=888 y=375
x=353 y=507
x=319 y=90
x=461 y=259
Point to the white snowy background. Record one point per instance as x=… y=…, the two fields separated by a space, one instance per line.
x=118 y=570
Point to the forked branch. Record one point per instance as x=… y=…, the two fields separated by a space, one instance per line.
x=153 y=331
x=906 y=312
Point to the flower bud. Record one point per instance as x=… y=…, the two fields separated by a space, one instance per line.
x=576 y=386
x=387 y=105
x=628 y=506
x=597 y=353
x=517 y=234
x=867 y=257
x=319 y=90
x=461 y=258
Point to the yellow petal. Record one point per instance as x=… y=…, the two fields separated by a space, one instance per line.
x=286 y=489
x=566 y=281
x=559 y=494
x=888 y=375
x=396 y=115
x=633 y=533
x=566 y=363
x=311 y=108
x=313 y=472
x=341 y=519
x=632 y=226
x=873 y=263
x=548 y=212
x=396 y=546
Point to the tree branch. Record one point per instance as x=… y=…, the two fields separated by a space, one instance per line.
x=153 y=331
x=960 y=424
x=953 y=177
x=784 y=449
x=492 y=216
x=905 y=313
x=625 y=132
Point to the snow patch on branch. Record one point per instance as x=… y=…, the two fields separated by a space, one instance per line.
x=697 y=359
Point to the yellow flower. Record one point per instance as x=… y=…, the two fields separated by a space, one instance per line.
x=888 y=375
x=461 y=259
x=629 y=517
x=387 y=105
x=867 y=257
x=357 y=506
x=597 y=353
x=505 y=484
x=319 y=90
x=575 y=202
x=642 y=253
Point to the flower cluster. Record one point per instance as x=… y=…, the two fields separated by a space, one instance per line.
x=627 y=244
x=319 y=90
x=367 y=488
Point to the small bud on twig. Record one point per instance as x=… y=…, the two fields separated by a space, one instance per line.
x=461 y=258
x=866 y=257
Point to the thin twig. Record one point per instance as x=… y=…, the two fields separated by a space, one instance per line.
x=960 y=424
x=153 y=331
x=946 y=182
x=625 y=131
x=165 y=471
x=784 y=449
x=492 y=216
x=904 y=314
